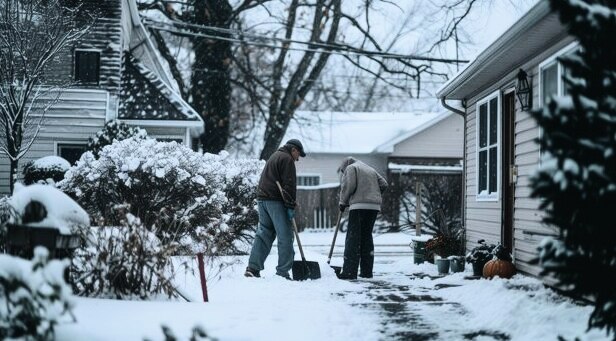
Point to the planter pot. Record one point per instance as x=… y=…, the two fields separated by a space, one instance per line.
x=478 y=268
x=457 y=265
x=419 y=251
x=442 y=266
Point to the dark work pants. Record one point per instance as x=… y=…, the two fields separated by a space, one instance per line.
x=358 y=247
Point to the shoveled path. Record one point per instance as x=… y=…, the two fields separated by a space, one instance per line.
x=408 y=311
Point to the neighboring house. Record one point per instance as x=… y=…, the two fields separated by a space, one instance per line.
x=118 y=75
x=501 y=149
x=385 y=141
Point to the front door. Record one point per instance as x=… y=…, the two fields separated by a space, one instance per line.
x=508 y=169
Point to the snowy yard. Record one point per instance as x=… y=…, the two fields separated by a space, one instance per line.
x=403 y=301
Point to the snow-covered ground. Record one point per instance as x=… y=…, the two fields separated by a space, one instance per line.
x=403 y=301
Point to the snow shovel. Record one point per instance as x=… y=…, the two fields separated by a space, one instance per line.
x=302 y=270
x=337 y=269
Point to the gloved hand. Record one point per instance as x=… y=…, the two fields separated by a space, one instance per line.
x=290 y=213
x=343 y=207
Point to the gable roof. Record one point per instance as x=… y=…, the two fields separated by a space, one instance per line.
x=526 y=38
x=147 y=90
x=354 y=132
x=144 y=96
x=388 y=147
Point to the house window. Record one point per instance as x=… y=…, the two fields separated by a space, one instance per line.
x=87 y=66
x=488 y=137
x=308 y=180
x=71 y=152
x=551 y=75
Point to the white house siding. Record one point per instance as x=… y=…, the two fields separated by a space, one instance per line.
x=326 y=165
x=442 y=140
x=484 y=218
x=78 y=115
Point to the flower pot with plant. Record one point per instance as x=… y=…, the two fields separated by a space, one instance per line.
x=479 y=256
x=443 y=247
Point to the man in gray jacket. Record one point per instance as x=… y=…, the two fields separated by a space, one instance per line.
x=361 y=189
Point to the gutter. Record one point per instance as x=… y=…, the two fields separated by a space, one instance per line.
x=455 y=110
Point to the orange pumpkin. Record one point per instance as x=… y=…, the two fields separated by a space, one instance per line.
x=498 y=267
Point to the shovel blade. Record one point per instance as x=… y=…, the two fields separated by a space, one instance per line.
x=303 y=270
x=337 y=269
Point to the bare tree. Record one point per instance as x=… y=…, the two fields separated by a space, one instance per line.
x=274 y=62
x=32 y=33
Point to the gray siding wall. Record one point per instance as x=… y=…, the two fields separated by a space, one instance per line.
x=78 y=115
x=484 y=218
x=442 y=140
x=326 y=165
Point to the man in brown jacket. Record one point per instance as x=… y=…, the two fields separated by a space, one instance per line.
x=361 y=189
x=276 y=211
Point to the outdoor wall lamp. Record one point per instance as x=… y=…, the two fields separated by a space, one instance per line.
x=524 y=91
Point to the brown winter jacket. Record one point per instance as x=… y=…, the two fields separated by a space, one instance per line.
x=279 y=167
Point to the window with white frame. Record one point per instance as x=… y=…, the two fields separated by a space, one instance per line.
x=551 y=73
x=308 y=180
x=488 y=138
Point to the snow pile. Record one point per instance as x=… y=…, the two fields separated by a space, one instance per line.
x=61 y=211
x=33 y=296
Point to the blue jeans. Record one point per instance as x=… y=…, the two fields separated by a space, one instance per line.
x=273 y=222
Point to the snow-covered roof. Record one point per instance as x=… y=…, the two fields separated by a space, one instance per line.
x=355 y=132
x=388 y=147
x=145 y=96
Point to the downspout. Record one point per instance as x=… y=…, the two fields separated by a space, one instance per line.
x=463 y=114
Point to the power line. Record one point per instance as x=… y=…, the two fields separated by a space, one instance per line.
x=340 y=49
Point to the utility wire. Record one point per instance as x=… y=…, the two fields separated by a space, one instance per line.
x=340 y=49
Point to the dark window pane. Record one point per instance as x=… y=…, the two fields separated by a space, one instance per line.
x=549 y=82
x=493 y=170
x=87 y=66
x=71 y=152
x=493 y=121
x=483 y=125
x=483 y=171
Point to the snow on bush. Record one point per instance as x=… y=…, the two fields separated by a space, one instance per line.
x=6 y=214
x=46 y=170
x=33 y=296
x=113 y=131
x=123 y=262
x=59 y=210
x=205 y=201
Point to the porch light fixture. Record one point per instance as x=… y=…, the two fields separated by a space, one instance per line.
x=523 y=91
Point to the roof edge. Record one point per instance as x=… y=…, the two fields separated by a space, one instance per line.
x=526 y=22
x=388 y=146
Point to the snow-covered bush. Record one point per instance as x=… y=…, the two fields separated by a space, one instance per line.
x=113 y=131
x=6 y=213
x=577 y=178
x=205 y=201
x=33 y=296
x=46 y=170
x=123 y=262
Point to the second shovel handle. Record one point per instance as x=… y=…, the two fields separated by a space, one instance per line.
x=331 y=250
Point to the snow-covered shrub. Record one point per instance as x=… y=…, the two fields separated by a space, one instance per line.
x=33 y=296
x=46 y=170
x=481 y=253
x=577 y=178
x=113 y=131
x=193 y=198
x=123 y=262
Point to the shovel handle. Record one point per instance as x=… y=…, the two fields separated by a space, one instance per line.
x=331 y=250
x=299 y=243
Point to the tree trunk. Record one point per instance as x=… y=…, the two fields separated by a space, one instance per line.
x=211 y=88
x=274 y=133
x=13 y=175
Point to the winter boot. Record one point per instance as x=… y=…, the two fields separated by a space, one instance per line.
x=250 y=272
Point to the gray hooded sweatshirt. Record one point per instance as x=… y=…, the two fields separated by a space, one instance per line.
x=360 y=186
